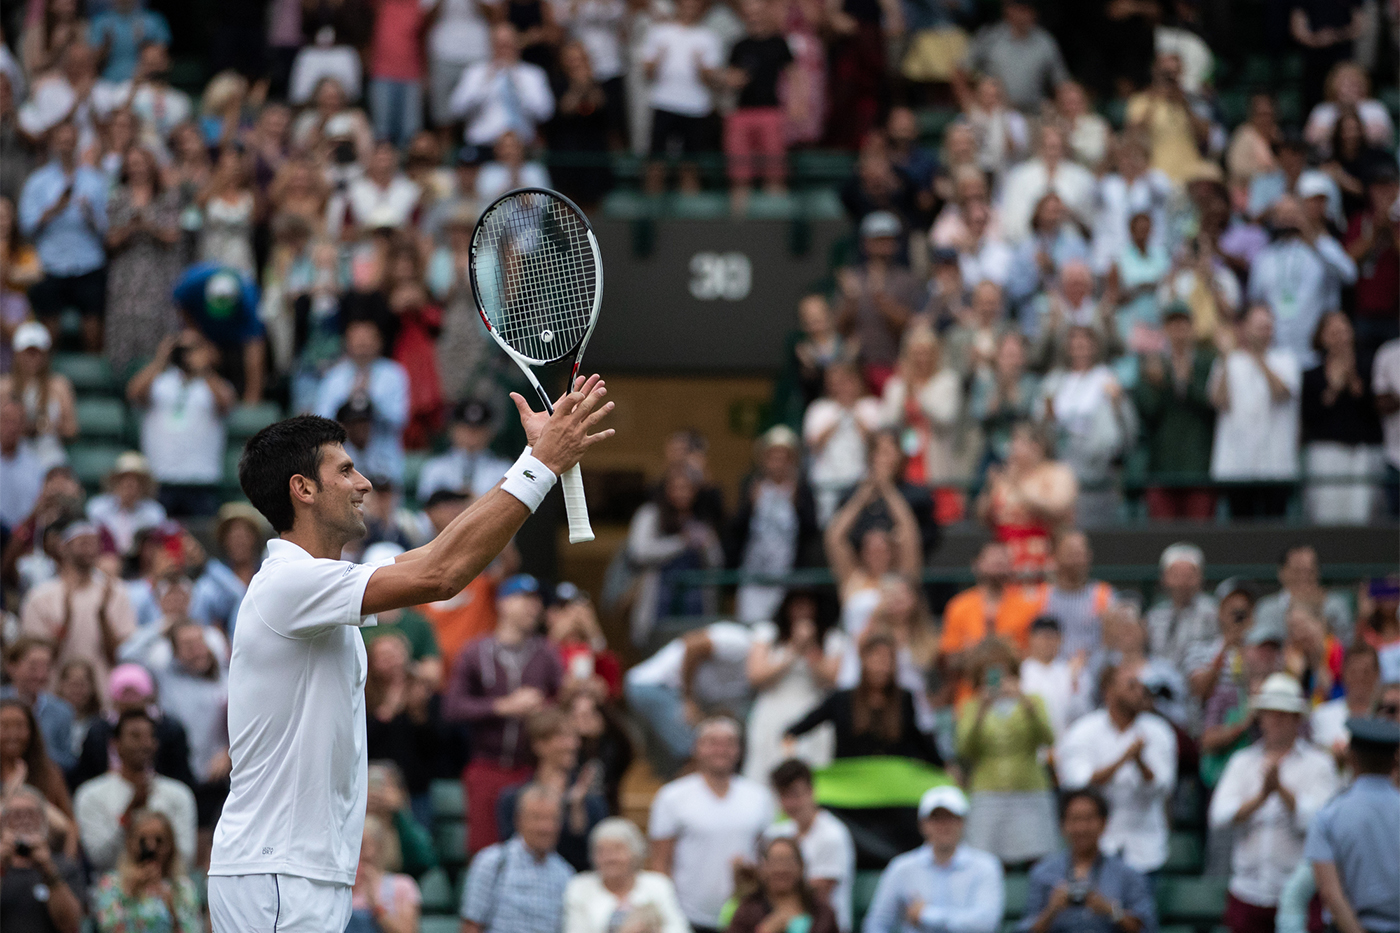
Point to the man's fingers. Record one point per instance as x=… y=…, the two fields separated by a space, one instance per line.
x=591 y=401
x=590 y=439
x=521 y=405
x=597 y=416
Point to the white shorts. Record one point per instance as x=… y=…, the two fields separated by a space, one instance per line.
x=277 y=904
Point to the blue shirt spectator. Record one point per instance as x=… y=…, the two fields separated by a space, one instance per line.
x=944 y=886
x=383 y=383
x=1354 y=836
x=63 y=210
x=222 y=317
x=517 y=886
x=1110 y=876
x=122 y=30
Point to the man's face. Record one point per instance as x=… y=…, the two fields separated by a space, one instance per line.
x=31 y=672
x=363 y=342
x=1045 y=644
x=538 y=823
x=1180 y=331
x=63 y=142
x=1360 y=675
x=903 y=128
x=717 y=750
x=471 y=437
x=505 y=46
x=1279 y=729
x=1300 y=570
x=993 y=565
x=137 y=745
x=1182 y=579
x=797 y=799
x=942 y=830
x=520 y=612
x=339 y=494
x=1082 y=825
x=1126 y=693
x=155 y=61
x=1019 y=16
x=1072 y=556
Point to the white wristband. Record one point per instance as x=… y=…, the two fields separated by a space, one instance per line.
x=529 y=480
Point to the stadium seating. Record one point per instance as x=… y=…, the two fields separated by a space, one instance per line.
x=102 y=419
x=245 y=421
x=90 y=373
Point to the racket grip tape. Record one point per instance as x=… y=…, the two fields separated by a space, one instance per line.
x=576 y=506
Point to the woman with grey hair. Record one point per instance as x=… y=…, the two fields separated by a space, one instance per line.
x=617 y=894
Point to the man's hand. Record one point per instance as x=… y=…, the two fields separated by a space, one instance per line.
x=1099 y=904
x=559 y=440
x=520 y=702
x=913 y=911
x=141 y=792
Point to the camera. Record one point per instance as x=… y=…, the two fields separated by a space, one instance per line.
x=147 y=850
x=344 y=152
x=1079 y=892
x=180 y=357
x=23 y=849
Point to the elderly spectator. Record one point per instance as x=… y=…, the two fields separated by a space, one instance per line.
x=1096 y=421
x=41 y=890
x=1076 y=600
x=364 y=375
x=701 y=671
x=793 y=662
x=1341 y=428
x=1021 y=55
x=971 y=344
x=485 y=93
x=878 y=297
x=828 y=852
x=783 y=897
x=1185 y=622
x=518 y=886
x=29 y=671
x=496 y=682
x=618 y=891
x=149 y=889
x=1255 y=388
x=668 y=535
x=923 y=399
x=83 y=611
x=50 y=411
x=129 y=505
x=1001 y=731
x=1172 y=399
x=1030 y=498
x=702 y=822
x=1300 y=582
x=1048 y=170
x=836 y=429
x=1299 y=276
x=1081 y=888
x=105 y=805
x=1269 y=794
x=682 y=60
x=468 y=466
x=63 y=210
x=944 y=885
x=1130 y=755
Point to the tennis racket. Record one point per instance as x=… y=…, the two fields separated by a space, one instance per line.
x=537 y=276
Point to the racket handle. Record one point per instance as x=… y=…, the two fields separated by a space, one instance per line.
x=576 y=506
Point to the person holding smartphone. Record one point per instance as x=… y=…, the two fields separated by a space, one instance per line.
x=149 y=892
x=40 y=890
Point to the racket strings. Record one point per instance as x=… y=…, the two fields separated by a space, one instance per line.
x=537 y=275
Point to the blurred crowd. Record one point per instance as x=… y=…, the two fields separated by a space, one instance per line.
x=1031 y=313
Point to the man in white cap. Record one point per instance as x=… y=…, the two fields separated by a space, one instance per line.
x=944 y=885
x=82 y=611
x=1184 y=624
x=878 y=296
x=1269 y=794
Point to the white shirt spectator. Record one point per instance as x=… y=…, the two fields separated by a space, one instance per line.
x=461 y=471
x=598 y=25
x=678 y=86
x=1269 y=845
x=386 y=384
x=840 y=462
x=1064 y=697
x=1028 y=182
x=315 y=62
x=161 y=109
x=493 y=99
x=1385 y=380
x=99 y=804
x=122 y=524
x=721 y=678
x=495 y=179
x=1117 y=200
x=1137 y=822
x=24 y=478
x=1256 y=438
x=182 y=430
x=828 y=854
x=709 y=833
x=371 y=206
x=591 y=908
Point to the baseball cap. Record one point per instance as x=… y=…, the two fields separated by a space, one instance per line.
x=1045 y=624
x=359 y=408
x=472 y=412
x=944 y=256
x=947 y=797
x=471 y=155
x=1183 y=551
x=1281 y=693
x=520 y=583
x=1372 y=730
x=130 y=462
x=31 y=335
x=779 y=435
x=880 y=224
x=440 y=496
x=221 y=293
x=1314 y=184
x=566 y=592
x=130 y=678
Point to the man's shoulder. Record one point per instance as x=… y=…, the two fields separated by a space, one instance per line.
x=1092 y=721
x=679 y=789
x=102 y=786
x=1051 y=868
x=169 y=787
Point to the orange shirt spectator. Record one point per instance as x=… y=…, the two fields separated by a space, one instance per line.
x=464 y=618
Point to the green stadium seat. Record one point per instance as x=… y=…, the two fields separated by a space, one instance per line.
x=1258 y=72
x=449 y=800
x=628 y=205
x=822 y=166
x=231 y=455
x=434 y=923
x=933 y=122
x=1191 y=901
x=1185 y=854
x=822 y=204
x=101 y=419
x=90 y=373
x=451 y=841
x=436 y=889
x=1288 y=104
x=862 y=893
x=246 y=420
x=765 y=206
x=1018 y=887
x=92 y=462
x=1234 y=107
x=707 y=205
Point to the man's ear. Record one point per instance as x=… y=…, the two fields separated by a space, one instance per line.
x=303 y=489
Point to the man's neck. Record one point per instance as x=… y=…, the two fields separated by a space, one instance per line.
x=1072 y=584
x=943 y=856
x=318 y=542
x=991 y=589
x=67 y=165
x=1182 y=603
x=132 y=775
x=1120 y=717
x=718 y=781
x=1280 y=747
x=76 y=575
x=509 y=636
x=1085 y=859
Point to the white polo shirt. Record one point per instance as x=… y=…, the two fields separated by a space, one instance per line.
x=296 y=721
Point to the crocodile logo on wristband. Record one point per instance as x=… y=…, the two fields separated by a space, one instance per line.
x=528 y=475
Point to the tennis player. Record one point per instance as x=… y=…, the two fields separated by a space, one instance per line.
x=288 y=842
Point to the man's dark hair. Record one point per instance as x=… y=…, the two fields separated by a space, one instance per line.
x=1372 y=757
x=131 y=716
x=277 y=453
x=1292 y=549
x=1083 y=793
x=789 y=773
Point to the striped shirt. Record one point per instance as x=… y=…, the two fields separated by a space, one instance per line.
x=509 y=890
x=1081 y=616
